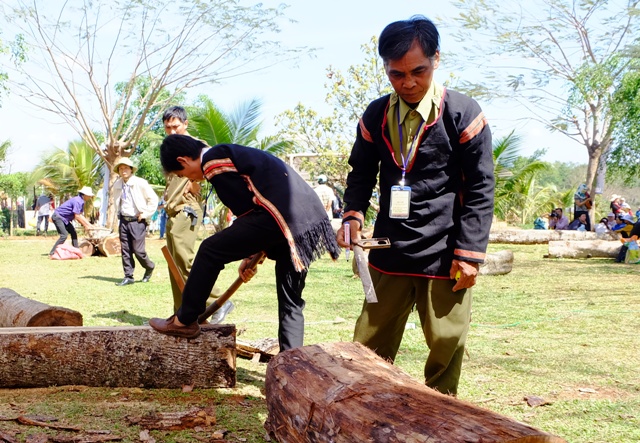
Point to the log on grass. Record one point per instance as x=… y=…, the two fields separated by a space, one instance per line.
x=584 y=249
x=537 y=236
x=497 y=263
x=110 y=245
x=87 y=248
x=344 y=392
x=131 y=356
x=18 y=311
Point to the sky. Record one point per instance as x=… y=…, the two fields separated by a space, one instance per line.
x=337 y=28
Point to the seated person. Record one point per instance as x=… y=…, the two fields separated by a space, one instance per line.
x=625 y=226
x=579 y=224
x=603 y=226
x=557 y=220
x=611 y=220
x=540 y=223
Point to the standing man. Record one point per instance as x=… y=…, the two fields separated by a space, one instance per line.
x=184 y=217
x=277 y=212
x=432 y=149
x=135 y=202
x=326 y=195
x=67 y=212
x=43 y=210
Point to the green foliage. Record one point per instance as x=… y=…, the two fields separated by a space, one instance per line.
x=63 y=172
x=625 y=155
x=14 y=185
x=559 y=59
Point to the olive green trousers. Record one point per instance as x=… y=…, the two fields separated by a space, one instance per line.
x=444 y=316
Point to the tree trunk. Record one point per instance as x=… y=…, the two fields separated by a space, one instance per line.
x=497 y=263
x=17 y=311
x=343 y=392
x=537 y=236
x=134 y=356
x=87 y=248
x=584 y=249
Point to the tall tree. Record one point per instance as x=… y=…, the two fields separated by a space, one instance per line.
x=625 y=155
x=79 y=49
x=560 y=59
x=331 y=136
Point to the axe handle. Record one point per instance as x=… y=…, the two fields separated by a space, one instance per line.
x=213 y=307
x=173 y=268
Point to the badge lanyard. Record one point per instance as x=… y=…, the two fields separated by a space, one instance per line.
x=401 y=194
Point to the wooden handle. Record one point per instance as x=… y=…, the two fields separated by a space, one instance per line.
x=213 y=307
x=173 y=268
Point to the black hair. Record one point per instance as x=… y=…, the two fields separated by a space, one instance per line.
x=175 y=112
x=396 y=39
x=176 y=145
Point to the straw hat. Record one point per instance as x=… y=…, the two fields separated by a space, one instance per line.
x=614 y=197
x=124 y=161
x=86 y=190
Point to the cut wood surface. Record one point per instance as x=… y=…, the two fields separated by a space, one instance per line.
x=87 y=248
x=18 y=311
x=497 y=263
x=133 y=356
x=344 y=392
x=537 y=236
x=584 y=249
x=261 y=350
x=110 y=245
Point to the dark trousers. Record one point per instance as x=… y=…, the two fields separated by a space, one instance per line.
x=249 y=234
x=132 y=242
x=46 y=223
x=64 y=229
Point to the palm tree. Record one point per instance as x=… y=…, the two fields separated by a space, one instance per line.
x=242 y=127
x=63 y=172
x=516 y=195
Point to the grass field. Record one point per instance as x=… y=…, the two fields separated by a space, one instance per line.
x=567 y=331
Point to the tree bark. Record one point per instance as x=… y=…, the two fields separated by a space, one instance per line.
x=497 y=263
x=17 y=311
x=134 y=356
x=537 y=236
x=584 y=249
x=343 y=392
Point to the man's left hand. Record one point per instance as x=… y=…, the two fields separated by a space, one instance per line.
x=467 y=274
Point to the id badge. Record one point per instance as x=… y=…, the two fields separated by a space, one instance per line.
x=400 y=201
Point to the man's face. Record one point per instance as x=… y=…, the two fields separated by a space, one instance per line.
x=125 y=172
x=411 y=76
x=559 y=212
x=583 y=218
x=191 y=169
x=175 y=126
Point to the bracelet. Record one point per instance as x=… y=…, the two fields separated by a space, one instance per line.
x=351 y=217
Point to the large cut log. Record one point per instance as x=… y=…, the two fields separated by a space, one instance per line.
x=344 y=392
x=537 y=236
x=133 y=356
x=17 y=311
x=584 y=249
x=497 y=263
x=110 y=245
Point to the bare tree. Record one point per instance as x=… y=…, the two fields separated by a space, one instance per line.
x=560 y=59
x=80 y=49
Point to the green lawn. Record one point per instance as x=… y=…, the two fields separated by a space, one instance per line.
x=564 y=330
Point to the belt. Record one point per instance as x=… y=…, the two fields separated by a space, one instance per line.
x=130 y=219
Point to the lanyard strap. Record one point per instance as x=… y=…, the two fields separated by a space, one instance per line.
x=405 y=159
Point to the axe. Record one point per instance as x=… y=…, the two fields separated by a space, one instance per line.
x=213 y=307
x=363 y=264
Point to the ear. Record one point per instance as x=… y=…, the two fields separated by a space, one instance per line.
x=436 y=60
x=183 y=161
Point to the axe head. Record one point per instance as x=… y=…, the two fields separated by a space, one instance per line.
x=363 y=264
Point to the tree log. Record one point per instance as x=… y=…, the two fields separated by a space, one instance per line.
x=87 y=248
x=134 y=356
x=584 y=249
x=497 y=263
x=537 y=236
x=17 y=311
x=110 y=245
x=344 y=392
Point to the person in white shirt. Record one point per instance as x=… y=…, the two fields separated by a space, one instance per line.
x=135 y=202
x=43 y=211
x=325 y=194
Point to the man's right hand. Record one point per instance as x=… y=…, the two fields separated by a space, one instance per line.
x=355 y=234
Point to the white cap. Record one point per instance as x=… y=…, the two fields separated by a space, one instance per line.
x=86 y=190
